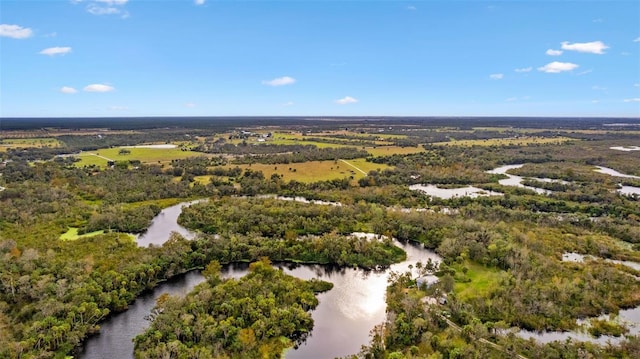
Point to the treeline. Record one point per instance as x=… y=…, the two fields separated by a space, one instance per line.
x=306 y=155
x=222 y=147
x=273 y=217
x=258 y=315
x=74 y=143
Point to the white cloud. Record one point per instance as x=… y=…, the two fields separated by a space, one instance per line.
x=98 y=88
x=53 y=34
x=595 y=101
x=636 y=99
x=496 y=76
x=552 y=52
x=108 y=7
x=52 y=51
x=637 y=39
x=101 y=10
x=190 y=105
x=594 y=47
x=290 y=103
x=636 y=85
x=412 y=8
x=585 y=72
x=598 y=88
x=113 y=2
x=598 y=20
x=511 y=99
x=199 y=2
x=118 y=108
x=280 y=81
x=15 y=31
x=524 y=69
x=346 y=100
x=555 y=67
x=67 y=89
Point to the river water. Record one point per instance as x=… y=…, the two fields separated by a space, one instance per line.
x=342 y=320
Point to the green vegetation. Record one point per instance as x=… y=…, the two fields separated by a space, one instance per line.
x=72 y=234
x=37 y=142
x=258 y=315
x=143 y=155
x=515 y=141
x=501 y=255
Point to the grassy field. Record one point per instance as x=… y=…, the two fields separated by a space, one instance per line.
x=28 y=142
x=511 y=141
x=314 y=170
x=72 y=234
x=482 y=279
x=144 y=155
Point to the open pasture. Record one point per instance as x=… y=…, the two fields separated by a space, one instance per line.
x=144 y=155
x=315 y=170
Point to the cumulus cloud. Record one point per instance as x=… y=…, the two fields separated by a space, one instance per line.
x=67 y=89
x=346 y=100
x=496 y=76
x=15 y=31
x=199 y=2
x=524 y=69
x=98 y=88
x=636 y=99
x=280 y=81
x=594 y=47
x=552 y=52
x=52 y=51
x=556 y=67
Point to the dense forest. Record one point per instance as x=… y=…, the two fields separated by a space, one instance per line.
x=262 y=314
x=502 y=267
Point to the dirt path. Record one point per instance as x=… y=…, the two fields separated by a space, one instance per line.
x=482 y=340
x=354 y=166
x=97 y=155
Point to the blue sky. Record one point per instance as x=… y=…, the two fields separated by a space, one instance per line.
x=360 y=58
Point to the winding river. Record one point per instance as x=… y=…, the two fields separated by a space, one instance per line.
x=342 y=320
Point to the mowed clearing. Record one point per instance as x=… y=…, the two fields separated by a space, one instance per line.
x=316 y=170
x=144 y=155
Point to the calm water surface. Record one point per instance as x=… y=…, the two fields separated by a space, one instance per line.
x=342 y=320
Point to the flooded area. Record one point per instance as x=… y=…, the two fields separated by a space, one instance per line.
x=516 y=181
x=446 y=193
x=625 y=149
x=614 y=173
